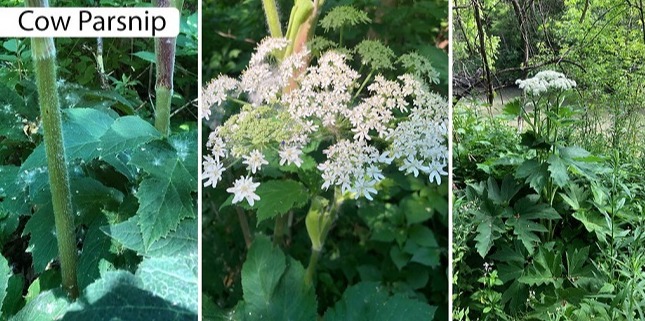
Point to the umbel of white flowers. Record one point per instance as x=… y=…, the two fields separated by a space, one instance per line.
x=544 y=81
x=287 y=108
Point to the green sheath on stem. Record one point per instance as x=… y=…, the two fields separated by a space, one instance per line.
x=44 y=56
x=165 y=60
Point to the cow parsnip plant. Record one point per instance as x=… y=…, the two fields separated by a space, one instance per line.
x=312 y=130
x=96 y=204
x=554 y=232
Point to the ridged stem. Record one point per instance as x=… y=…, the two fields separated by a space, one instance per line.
x=44 y=57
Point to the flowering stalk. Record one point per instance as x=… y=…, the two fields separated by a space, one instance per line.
x=44 y=57
x=165 y=62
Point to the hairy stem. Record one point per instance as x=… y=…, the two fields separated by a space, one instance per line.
x=273 y=19
x=44 y=57
x=165 y=63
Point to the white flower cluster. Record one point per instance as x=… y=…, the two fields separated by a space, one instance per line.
x=216 y=93
x=353 y=165
x=294 y=104
x=324 y=90
x=544 y=81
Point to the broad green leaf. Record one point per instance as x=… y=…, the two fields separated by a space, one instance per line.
x=82 y=132
x=277 y=197
x=576 y=260
x=5 y=275
x=261 y=273
x=502 y=195
x=158 y=158
x=42 y=240
x=534 y=173
x=182 y=240
x=417 y=278
x=13 y=301
x=575 y=196
x=423 y=236
x=88 y=196
x=594 y=222
x=173 y=278
x=292 y=299
x=185 y=146
x=416 y=209
x=14 y=200
x=399 y=258
x=489 y=229
x=12 y=107
x=274 y=286
x=525 y=220
x=48 y=280
x=164 y=202
x=127 y=133
x=368 y=301
x=120 y=296
x=49 y=305
x=427 y=256
x=581 y=162
x=104 y=96
x=546 y=269
x=558 y=170
x=96 y=247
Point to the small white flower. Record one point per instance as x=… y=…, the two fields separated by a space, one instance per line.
x=375 y=173
x=413 y=165
x=364 y=188
x=212 y=171
x=290 y=155
x=255 y=160
x=244 y=188
x=436 y=170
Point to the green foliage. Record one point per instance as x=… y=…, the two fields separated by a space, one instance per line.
x=368 y=301
x=343 y=16
x=396 y=243
x=274 y=286
x=120 y=195
x=375 y=55
x=540 y=223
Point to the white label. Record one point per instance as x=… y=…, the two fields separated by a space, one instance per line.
x=89 y=22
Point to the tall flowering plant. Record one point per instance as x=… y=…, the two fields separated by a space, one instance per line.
x=302 y=127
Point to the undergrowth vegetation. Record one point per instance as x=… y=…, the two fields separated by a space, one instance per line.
x=548 y=210
x=544 y=229
x=97 y=206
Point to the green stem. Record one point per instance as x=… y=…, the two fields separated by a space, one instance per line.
x=311 y=268
x=273 y=19
x=360 y=89
x=165 y=63
x=44 y=57
x=244 y=225
x=279 y=229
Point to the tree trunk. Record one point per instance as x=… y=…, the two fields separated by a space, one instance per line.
x=482 y=51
